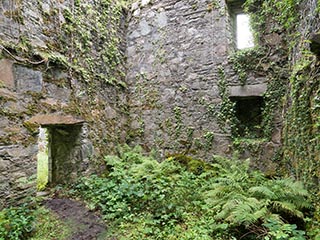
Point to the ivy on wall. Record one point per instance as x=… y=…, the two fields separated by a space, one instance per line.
x=83 y=41
x=81 y=36
x=302 y=130
x=294 y=85
x=297 y=80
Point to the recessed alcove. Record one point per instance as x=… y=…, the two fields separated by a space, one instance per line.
x=248 y=112
x=315 y=44
x=249 y=105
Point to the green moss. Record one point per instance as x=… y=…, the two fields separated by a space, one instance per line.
x=196 y=166
x=15 y=15
x=33 y=128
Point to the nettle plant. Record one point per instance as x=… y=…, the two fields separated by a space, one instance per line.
x=16 y=223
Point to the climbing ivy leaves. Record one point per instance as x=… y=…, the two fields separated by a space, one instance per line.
x=94 y=32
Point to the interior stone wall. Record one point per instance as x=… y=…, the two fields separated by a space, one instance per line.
x=36 y=92
x=176 y=51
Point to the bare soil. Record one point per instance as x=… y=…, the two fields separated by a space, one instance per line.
x=85 y=224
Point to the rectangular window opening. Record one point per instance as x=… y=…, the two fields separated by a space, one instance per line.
x=248 y=113
x=244 y=35
x=240 y=25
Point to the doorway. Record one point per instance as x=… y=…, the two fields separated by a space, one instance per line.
x=60 y=154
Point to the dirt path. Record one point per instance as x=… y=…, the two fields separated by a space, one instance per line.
x=85 y=224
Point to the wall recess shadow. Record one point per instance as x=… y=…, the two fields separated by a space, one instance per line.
x=248 y=111
x=64 y=141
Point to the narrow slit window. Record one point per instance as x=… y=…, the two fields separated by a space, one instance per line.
x=244 y=34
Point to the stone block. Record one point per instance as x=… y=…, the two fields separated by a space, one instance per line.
x=144 y=2
x=54 y=119
x=273 y=39
x=248 y=90
x=162 y=20
x=144 y=28
x=7 y=94
x=18 y=152
x=14 y=107
x=27 y=79
x=110 y=113
x=6 y=73
x=62 y=94
x=3 y=165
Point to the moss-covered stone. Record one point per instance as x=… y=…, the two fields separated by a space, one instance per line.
x=196 y=166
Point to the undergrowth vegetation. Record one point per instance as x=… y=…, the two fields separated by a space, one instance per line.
x=178 y=198
x=16 y=223
x=31 y=222
x=185 y=198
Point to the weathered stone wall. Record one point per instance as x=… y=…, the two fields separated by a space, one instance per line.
x=61 y=60
x=302 y=116
x=174 y=51
x=47 y=67
x=178 y=59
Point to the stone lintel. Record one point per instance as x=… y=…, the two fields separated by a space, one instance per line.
x=55 y=119
x=248 y=90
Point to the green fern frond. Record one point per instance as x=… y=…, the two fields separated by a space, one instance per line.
x=244 y=212
x=286 y=207
x=261 y=192
x=261 y=213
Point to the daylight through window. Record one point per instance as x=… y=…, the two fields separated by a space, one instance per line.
x=244 y=32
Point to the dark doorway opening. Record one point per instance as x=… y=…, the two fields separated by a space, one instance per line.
x=64 y=144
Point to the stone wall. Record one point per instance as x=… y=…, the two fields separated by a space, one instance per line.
x=46 y=80
x=174 y=51
x=302 y=115
x=178 y=58
x=63 y=69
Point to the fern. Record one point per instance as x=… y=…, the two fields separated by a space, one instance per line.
x=261 y=192
x=168 y=201
x=282 y=206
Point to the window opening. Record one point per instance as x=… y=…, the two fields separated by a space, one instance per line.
x=244 y=36
x=248 y=113
x=240 y=25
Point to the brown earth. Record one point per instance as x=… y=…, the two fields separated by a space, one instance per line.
x=86 y=225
